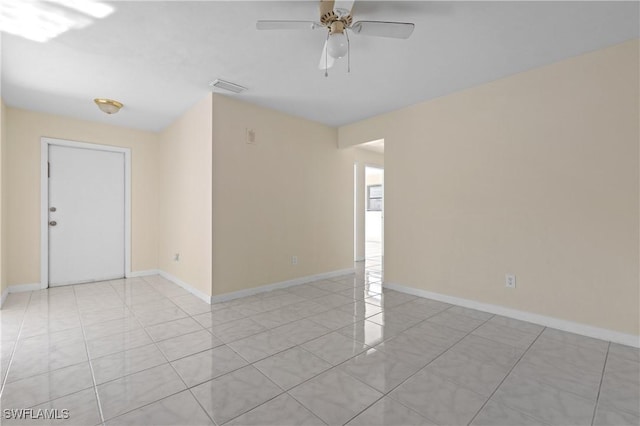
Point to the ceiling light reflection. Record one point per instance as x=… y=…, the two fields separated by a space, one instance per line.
x=92 y=8
x=43 y=20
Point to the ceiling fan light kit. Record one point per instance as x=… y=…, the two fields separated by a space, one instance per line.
x=337 y=43
x=337 y=19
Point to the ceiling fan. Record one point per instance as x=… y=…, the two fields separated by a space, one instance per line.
x=336 y=18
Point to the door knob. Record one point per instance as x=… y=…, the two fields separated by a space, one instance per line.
x=53 y=223
x=52 y=209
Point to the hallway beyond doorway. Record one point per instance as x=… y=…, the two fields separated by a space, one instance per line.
x=374 y=262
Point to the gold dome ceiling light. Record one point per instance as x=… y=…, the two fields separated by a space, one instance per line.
x=108 y=106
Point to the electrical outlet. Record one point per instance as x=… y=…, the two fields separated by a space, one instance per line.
x=510 y=281
x=176 y=257
x=294 y=260
x=251 y=136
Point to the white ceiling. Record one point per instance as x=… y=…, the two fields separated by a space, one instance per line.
x=158 y=57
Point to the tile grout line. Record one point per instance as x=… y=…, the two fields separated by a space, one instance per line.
x=145 y=331
x=223 y=344
x=307 y=408
x=200 y=405
x=556 y=357
x=282 y=325
x=86 y=348
x=604 y=367
x=299 y=345
x=295 y=345
x=136 y=316
x=15 y=346
x=155 y=344
x=229 y=372
x=368 y=348
x=187 y=388
x=214 y=378
x=123 y=298
x=191 y=316
x=291 y=304
x=146 y=369
x=385 y=394
x=285 y=391
x=505 y=378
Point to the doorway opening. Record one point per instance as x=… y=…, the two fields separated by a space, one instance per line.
x=85 y=212
x=374 y=218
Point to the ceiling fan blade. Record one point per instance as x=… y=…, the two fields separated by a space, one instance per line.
x=383 y=29
x=343 y=6
x=326 y=61
x=287 y=25
x=326 y=6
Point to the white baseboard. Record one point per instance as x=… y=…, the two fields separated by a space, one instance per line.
x=332 y=274
x=136 y=274
x=3 y=297
x=19 y=288
x=560 y=324
x=276 y=286
x=200 y=295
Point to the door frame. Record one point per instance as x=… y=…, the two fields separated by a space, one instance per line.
x=45 y=142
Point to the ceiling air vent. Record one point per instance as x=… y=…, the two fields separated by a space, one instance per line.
x=225 y=85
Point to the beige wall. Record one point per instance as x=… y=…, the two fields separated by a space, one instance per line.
x=536 y=174
x=3 y=200
x=361 y=159
x=367 y=157
x=289 y=194
x=185 y=197
x=24 y=130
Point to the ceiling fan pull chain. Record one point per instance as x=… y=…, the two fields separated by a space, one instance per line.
x=326 y=57
x=346 y=33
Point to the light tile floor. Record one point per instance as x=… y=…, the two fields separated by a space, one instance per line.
x=345 y=350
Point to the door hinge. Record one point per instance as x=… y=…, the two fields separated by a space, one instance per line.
x=48 y=169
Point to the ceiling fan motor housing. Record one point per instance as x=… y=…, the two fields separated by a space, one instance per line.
x=330 y=19
x=337 y=27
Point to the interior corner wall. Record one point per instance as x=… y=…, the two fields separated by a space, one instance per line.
x=536 y=174
x=185 y=157
x=362 y=158
x=24 y=130
x=288 y=194
x=3 y=199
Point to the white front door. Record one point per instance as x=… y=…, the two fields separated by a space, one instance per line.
x=86 y=215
